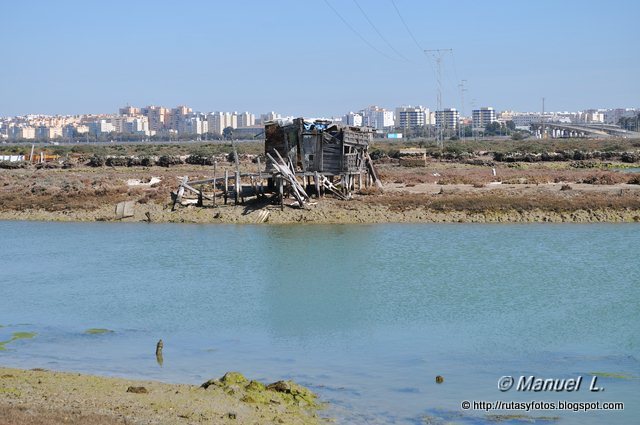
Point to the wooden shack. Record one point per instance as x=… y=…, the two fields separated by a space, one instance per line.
x=319 y=146
x=302 y=159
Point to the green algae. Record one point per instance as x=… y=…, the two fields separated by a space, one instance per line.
x=611 y=375
x=280 y=392
x=231 y=378
x=16 y=336
x=23 y=335
x=97 y=331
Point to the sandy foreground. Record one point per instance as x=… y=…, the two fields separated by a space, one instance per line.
x=35 y=397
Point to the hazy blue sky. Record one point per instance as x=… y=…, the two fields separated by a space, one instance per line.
x=298 y=57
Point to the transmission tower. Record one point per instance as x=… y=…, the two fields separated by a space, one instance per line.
x=462 y=90
x=437 y=55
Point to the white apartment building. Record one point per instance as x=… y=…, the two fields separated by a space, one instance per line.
x=44 y=132
x=139 y=125
x=194 y=125
x=19 y=132
x=447 y=119
x=245 y=119
x=591 y=116
x=218 y=121
x=483 y=116
x=177 y=115
x=378 y=118
x=269 y=116
x=129 y=111
x=102 y=126
x=352 y=119
x=412 y=117
x=158 y=117
x=612 y=116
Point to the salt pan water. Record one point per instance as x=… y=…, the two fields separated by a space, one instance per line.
x=365 y=315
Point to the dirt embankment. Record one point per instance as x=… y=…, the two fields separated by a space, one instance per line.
x=38 y=397
x=437 y=192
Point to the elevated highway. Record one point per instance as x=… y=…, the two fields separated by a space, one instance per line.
x=559 y=129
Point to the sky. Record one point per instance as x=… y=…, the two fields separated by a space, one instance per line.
x=317 y=57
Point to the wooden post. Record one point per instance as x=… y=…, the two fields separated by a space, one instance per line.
x=259 y=182
x=316 y=180
x=226 y=186
x=200 y=201
x=238 y=188
x=215 y=164
x=281 y=192
x=359 y=180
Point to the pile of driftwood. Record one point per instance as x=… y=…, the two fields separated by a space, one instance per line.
x=286 y=173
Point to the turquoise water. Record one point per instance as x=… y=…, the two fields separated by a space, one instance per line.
x=628 y=170
x=366 y=316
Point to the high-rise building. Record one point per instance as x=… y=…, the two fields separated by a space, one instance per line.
x=412 y=117
x=101 y=126
x=483 y=116
x=447 y=119
x=353 y=119
x=137 y=125
x=44 y=132
x=195 y=124
x=269 y=116
x=246 y=119
x=129 y=111
x=376 y=117
x=177 y=116
x=17 y=133
x=218 y=121
x=158 y=117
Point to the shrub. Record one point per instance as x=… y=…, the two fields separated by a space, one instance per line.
x=198 y=159
x=97 y=161
x=117 y=161
x=168 y=161
x=376 y=154
x=8 y=165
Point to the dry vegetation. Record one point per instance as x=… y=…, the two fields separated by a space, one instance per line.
x=93 y=177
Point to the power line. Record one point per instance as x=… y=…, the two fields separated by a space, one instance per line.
x=406 y=26
x=378 y=31
x=357 y=33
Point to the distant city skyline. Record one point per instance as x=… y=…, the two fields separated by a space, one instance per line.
x=73 y=57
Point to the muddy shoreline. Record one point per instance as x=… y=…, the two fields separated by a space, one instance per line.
x=439 y=192
x=327 y=212
x=34 y=397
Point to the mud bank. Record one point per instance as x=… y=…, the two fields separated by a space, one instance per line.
x=45 y=397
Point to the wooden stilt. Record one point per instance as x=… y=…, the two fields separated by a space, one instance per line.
x=238 y=187
x=215 y=164
x=226 y=186
x=281 y=192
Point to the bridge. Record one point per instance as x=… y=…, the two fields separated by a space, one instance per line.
x=559 y=130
